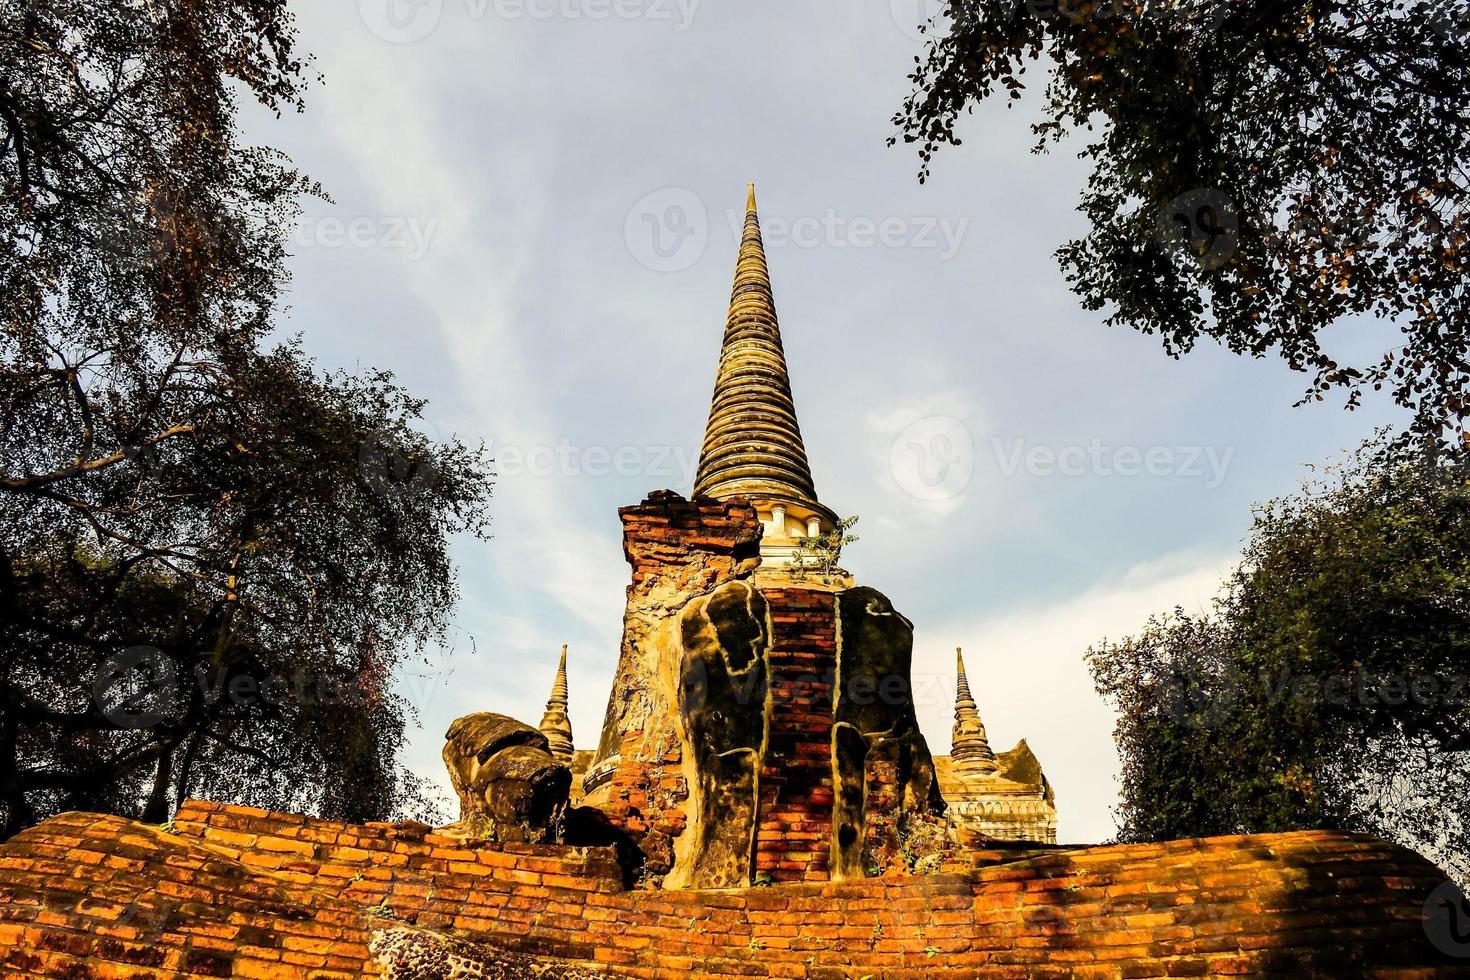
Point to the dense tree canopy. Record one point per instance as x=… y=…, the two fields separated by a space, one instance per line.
x=1261 y=171
x=212 y=555
x=1331 y=686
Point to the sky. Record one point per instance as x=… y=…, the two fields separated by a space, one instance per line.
x=533 y=219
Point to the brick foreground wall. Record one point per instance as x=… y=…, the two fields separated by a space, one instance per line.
x=240 y=892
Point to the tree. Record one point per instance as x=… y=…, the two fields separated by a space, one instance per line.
x=1329 y=687
x=188 y=515
x=1261 y=171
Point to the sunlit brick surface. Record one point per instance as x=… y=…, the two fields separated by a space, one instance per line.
x=240 y=892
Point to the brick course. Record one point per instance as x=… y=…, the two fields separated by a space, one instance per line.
x=239 y=892
x=794 y=836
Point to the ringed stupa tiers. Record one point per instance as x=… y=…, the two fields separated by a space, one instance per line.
x=753 y=448
x=555 y=724
x=969 y=746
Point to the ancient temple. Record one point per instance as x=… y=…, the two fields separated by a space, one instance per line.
x=760 y=732
x=745 y=737
x=741 y=740
x=988 y=796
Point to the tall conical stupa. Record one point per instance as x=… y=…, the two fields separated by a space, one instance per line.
x=555 y=724
x=752 y=444
x=970 y=747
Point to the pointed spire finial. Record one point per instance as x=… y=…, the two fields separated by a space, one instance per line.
x=555 y=724
x=962 y=685
x=752 y=444
x=970 y=746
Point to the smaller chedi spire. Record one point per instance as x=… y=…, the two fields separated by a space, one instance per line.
x=970 y=747
x=555 y=724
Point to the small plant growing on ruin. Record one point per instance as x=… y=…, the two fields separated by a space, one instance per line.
x=922 y=844
x=817 y=556
x=764 y=880
x=382 y=910
x=755 y=945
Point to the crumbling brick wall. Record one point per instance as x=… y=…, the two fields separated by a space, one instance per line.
x=678 y=549
x=240 y=892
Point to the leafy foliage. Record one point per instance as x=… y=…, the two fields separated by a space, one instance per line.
x=1262 y=171
x=817 y=556
x=189 y=516
x=1329 y=687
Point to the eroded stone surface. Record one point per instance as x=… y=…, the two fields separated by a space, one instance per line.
x=724 y=638
x=679 y=550
x=510 y=787
x=885 y=774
